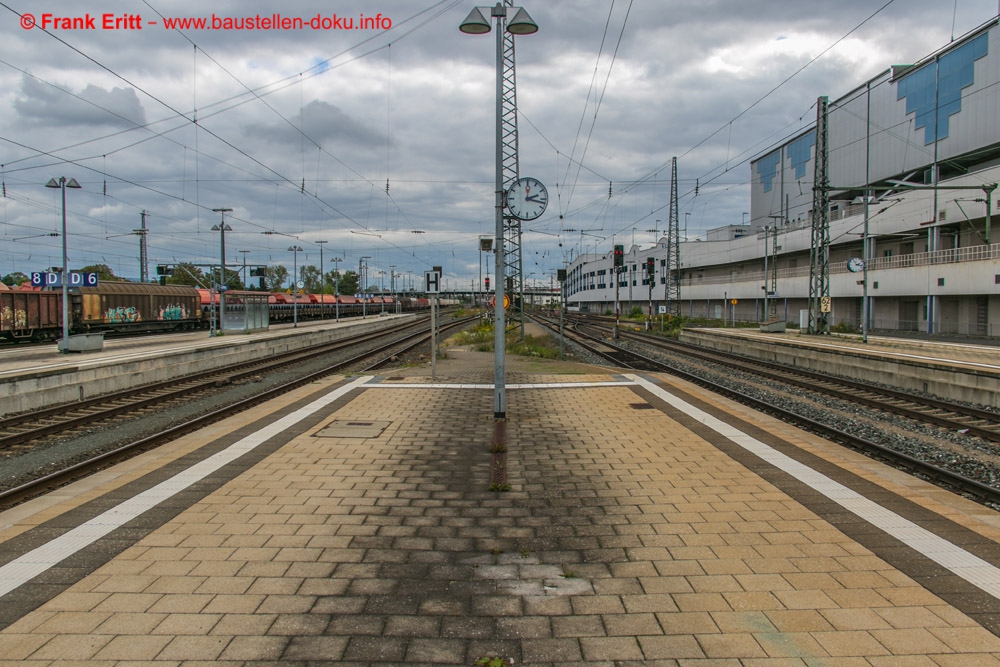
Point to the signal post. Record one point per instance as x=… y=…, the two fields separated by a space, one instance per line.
x=619 y=264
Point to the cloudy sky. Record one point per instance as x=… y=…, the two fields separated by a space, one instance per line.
x=380 y=141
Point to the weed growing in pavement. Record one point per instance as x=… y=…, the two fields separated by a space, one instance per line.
x=493 y=661
x=524 y=553
x=496 y=486
x=568 y=574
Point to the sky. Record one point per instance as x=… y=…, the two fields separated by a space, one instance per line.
x=379 y=140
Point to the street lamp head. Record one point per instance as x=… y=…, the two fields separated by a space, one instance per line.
x=521 y=24
x=475 y=23
x=294 y=248
x=222 y=228
x=70 y=183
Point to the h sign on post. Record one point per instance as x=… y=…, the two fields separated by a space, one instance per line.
x=432 y=282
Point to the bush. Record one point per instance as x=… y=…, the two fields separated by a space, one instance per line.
x=844 y=328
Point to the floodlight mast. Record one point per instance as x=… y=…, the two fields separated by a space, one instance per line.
x=476 y=23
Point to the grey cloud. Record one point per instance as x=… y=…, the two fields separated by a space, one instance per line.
x=42 y=104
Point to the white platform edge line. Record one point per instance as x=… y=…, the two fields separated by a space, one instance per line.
x=21 y=570
x=544 y=385
x=948 y=555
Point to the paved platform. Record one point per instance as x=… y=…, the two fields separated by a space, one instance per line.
x=647 y=523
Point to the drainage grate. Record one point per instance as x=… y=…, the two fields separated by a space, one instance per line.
x=640 y=406
x=345 y=428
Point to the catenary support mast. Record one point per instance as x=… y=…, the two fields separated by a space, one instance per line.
x=511 y=172
x=819 y=252
x=672 y=276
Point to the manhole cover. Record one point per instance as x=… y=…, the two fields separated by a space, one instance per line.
x=352 y=428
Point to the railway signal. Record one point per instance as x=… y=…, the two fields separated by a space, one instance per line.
x=619 y=256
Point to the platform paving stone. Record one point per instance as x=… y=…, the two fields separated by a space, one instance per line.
x=625 y=540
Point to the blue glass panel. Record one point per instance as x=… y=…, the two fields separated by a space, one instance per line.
x=799 y=152
x=767 y=169
x=956 y=71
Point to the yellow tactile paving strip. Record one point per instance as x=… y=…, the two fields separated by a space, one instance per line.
x=625 y=537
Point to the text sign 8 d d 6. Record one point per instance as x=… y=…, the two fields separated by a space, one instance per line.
x=432 y=282
x=53 y=279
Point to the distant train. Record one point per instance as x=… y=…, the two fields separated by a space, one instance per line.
x=31 y=314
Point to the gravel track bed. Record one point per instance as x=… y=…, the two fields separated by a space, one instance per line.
x=970 y=456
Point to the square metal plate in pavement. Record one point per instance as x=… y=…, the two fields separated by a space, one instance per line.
x=352 y=428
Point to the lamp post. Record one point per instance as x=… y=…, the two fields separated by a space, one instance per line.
x=244 y=253
x=336 y=285
x=361 y=285
x=295 y=250
x=322 y=281
x=222 y=228
x=392 y=287
x=62 y=184
x=381 y=289
x=476 y=23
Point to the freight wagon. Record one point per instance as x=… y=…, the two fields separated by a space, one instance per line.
x=118 y=307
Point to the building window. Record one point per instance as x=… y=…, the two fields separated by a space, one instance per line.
x=940 y=282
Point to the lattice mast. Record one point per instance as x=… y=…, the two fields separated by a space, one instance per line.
x=511 y=172
x=819 y=252
x=673 y=272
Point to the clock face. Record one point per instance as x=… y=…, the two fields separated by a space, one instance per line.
x=855 y=264
x=527 y=199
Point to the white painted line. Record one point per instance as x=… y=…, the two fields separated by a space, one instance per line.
x=21 y=570
x=543 y=385
x=966 y=565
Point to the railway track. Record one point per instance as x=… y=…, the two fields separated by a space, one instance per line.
x=105 y=409
x=887 y=401
x=965 y=419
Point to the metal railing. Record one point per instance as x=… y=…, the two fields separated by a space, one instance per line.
x=951 y=256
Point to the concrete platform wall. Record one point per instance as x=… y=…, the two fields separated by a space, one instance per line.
x=33 y=391
x=948 y=382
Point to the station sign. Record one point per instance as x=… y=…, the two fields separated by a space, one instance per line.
x=54 y=279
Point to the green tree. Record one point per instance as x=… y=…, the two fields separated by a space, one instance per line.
x=276 y=277
x=14 y=279
x=311 y=277
x=233 y=280
x=103 y=272
x=349 y=282
x=187 y=274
